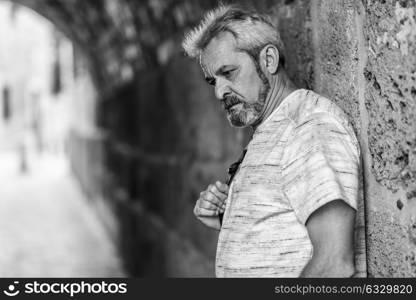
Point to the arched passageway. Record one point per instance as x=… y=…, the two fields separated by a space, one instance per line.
x=47 y=227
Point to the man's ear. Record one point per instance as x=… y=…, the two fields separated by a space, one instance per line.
x=269 y=58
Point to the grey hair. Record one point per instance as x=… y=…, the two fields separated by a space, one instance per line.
x=252 y=31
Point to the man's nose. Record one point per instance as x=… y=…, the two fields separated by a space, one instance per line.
x=221 y=89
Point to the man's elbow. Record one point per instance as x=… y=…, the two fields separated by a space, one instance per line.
x=329 y=267
x=341 y=268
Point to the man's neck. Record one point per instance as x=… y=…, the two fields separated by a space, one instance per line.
x=280 y=87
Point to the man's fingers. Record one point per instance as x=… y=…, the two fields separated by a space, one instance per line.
x=202 y=212
x=211 y=198
x=212 y=201
x=222 y=187
x=209 y=201
x=214 y=189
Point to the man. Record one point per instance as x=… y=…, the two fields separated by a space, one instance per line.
x=290 y=209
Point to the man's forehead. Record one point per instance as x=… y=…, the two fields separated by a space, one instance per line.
x=220 y=51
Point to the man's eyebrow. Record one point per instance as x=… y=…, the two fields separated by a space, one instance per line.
x=220 y=71
x=223 y=68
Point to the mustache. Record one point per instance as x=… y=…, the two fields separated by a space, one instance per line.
x=229 y=101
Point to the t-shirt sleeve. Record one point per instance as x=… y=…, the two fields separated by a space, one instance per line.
x=321 y=163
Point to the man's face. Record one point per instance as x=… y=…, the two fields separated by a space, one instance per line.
x=236 y=80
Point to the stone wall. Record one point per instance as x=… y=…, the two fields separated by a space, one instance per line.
x=163 y=138
x=390 y=99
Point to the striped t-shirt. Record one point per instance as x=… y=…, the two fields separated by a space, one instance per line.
x=301 y=157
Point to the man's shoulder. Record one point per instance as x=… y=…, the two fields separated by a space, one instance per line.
x=309 y=105
x=311 y=113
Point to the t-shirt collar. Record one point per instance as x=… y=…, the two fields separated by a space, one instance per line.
x=280 y=108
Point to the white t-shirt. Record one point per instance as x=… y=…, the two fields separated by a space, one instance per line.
x=304 y=155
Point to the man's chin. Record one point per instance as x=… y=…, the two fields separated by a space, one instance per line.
x=237 y=125
x=238 y=122
x=235 y=121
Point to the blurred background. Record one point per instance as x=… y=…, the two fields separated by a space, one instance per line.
x=108 y=132
x=47 y=227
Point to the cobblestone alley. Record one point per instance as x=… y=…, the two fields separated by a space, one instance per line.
x=47 y=227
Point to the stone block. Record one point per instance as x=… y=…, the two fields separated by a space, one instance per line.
x=390 y=92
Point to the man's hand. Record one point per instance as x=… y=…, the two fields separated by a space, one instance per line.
x=211 y=203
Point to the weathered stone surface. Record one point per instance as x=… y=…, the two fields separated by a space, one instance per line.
x=295 y=26
x=390 y=93
x=336 y=45
x=392 y=246
x=390 y=102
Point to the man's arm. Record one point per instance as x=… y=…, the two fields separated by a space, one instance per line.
x=331 y=230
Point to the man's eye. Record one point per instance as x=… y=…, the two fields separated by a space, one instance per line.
x=227 y=73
